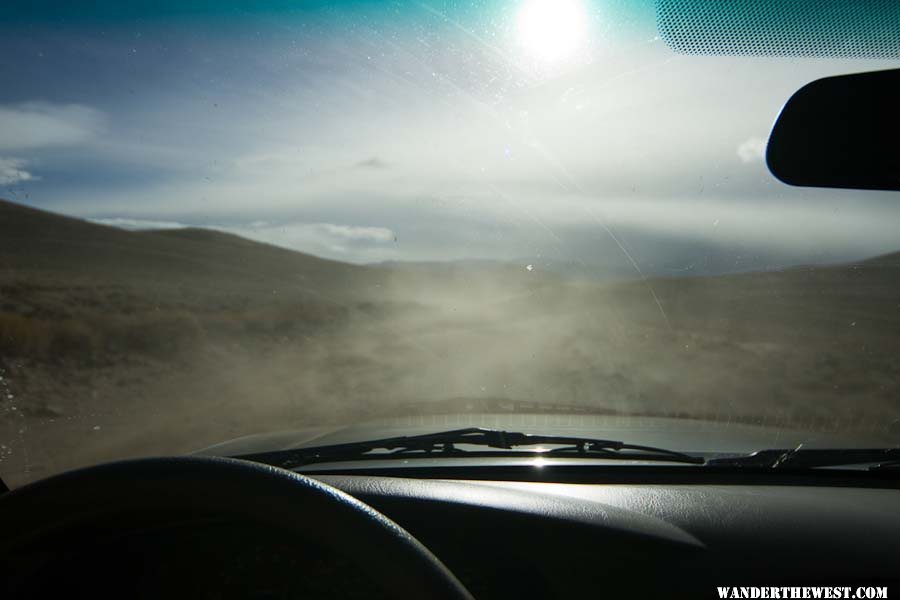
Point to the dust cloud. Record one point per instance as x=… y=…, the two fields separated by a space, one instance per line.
x=101 y=367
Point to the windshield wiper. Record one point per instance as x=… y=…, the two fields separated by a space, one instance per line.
x=445 y=444
x=798 y=458
x=506 y=443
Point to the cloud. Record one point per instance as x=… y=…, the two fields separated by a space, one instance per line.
x=138 y=224
x=12 y=171
x=344 y=242
x=372 y=163
x=35 y=125
x=751 y=150
x=291 y=235
x=364 y=234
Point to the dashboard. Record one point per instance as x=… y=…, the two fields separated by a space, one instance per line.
x=507 y=539
x=514 y=539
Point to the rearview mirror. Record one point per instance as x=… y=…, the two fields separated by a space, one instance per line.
x=840 y=132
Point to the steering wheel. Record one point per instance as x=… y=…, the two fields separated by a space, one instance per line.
x=299 y=506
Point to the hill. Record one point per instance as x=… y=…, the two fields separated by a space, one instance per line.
x=40 y=244
x=892 y=259
x=170 y=340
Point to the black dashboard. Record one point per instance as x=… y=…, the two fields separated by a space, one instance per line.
x=513 y=539
x=507 y=539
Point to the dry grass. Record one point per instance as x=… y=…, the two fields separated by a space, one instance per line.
x=106 y=328
x=97 y=339
x=47 y=340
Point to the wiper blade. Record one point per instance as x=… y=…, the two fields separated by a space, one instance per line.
x=799 y=458
x=890 y=465
x=446 y=444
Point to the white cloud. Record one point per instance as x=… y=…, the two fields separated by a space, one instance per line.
x=35 y=125
x=788 y=229
x=12 y=171
x=363 y=234
x=344 y=242
x=138 y=224
x=751 y=150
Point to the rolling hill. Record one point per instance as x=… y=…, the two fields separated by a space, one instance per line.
x=35 y=243
x=170 y=340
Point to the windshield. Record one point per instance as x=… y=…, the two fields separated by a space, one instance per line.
x=306 y=214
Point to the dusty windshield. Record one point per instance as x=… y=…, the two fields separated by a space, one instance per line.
x=303 y=213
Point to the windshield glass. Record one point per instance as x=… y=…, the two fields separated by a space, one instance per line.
x=299 y=214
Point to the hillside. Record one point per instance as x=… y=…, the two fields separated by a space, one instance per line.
x=39 y=244
x=205 y=269
x=116 y=343
x=892 y=259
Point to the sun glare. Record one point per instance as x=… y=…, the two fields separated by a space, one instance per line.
x=551 y=30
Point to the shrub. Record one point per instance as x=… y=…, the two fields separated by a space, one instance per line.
x=24 y=336
x=43 y=339
x=155 y=334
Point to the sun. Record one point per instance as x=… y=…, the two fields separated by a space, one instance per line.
x=551 y=31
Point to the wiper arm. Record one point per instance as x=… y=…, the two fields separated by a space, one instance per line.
x=446 y=443
x=809 y=459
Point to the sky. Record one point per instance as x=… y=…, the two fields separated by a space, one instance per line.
x=437 y=130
